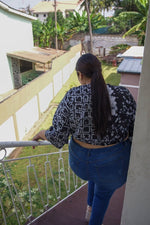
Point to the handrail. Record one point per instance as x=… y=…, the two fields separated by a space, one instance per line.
x=16 y=144
x=12 y=144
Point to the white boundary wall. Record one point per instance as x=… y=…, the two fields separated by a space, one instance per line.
x=20 y=122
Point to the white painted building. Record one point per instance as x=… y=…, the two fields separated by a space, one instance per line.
x=108 y=13
x=22 y=106
x=16 y=34
x=43 y=8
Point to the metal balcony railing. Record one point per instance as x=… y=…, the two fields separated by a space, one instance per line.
x=33 y=185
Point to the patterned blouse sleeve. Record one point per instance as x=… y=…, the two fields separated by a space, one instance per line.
x=132 y=112
x=59 y=132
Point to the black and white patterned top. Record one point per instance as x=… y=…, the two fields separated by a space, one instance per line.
x=74 y=117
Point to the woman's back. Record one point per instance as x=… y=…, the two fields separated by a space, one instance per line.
x=76 y=111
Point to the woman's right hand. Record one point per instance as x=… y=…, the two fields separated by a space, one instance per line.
x=39 y=136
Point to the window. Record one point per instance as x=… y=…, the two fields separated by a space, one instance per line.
x=25 y=66
x=44 y=15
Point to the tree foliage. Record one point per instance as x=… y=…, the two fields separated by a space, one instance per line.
x=79 y=23
x=44 y=33
x=37 y=31
x=98 y=5
x=131 y=18
x=140 y=16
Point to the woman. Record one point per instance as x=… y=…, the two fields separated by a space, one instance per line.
x=100 y=120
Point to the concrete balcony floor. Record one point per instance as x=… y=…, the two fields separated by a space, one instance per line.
x=72 y=210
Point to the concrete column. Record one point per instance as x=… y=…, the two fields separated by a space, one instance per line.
x=136 y=209
x=16 y=73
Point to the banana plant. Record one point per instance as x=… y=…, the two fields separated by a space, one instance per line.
x=141 y=17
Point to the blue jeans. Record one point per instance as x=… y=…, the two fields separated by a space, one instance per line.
x=105 y=168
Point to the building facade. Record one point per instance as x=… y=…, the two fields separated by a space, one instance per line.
x=16 y=34
x=43 y=8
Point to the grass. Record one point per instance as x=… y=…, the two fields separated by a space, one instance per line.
x=110 y=75
x=29 y=76
x=19 y=168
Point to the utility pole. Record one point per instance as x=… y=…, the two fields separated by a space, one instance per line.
x=56 y=41
x=90 y=27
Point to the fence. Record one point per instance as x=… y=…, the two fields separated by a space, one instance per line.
x=33 y=185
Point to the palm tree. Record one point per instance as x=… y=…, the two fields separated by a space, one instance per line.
x=97 y=5
x=141 y=17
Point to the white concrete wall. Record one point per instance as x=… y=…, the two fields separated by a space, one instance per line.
x=7 y=130
x=66 y=73
x=16 y=34
x=58 y=82
x=45 y=97
x=7 y=133
x=136 y=209
x=26 y=116
x=107 y=41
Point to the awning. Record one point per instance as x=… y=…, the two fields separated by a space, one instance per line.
x=130 y=65
x=37 y=55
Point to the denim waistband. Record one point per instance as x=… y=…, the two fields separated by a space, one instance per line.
x=105 y=149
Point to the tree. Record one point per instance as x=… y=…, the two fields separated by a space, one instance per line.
x=141 y=19
x=37 y=31
x=62 y=34
x=77 y=23
x=48 y=34
x=90 y=27
x=125 y=5
x=44 y=34
x=97 y=5
x=55 y=10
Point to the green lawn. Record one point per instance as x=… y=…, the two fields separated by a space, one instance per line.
x=110 y=75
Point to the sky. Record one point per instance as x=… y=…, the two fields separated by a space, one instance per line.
x=22 y=3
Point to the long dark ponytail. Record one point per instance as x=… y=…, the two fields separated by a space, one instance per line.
x=90 y=66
